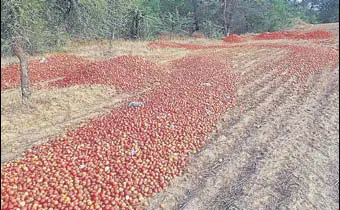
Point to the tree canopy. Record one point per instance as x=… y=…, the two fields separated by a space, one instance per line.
x=48 y=24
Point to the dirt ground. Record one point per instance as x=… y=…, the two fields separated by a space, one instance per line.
x=279 y=150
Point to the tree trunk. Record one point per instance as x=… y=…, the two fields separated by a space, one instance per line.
x=112 y=37
x=194 y=5
x=227 y=16
x=137 y=27
x=227 y=31
x=18 y=49
x=230 y=17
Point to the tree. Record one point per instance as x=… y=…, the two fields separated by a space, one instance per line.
x=194 y=7
x=18 y=50
x=329 y=11
x=278 y=15
x=228 y=6
x=21 y=21
x=44 y=25
x=116 y=18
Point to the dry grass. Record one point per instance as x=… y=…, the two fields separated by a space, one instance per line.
x=49 y=113
x=98 y=50
x=9 y=60
x=102 y=50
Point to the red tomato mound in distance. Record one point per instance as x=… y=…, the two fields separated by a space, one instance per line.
x=318 y=34
x=233 y=38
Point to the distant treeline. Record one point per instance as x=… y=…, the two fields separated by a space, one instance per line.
x=46 y=25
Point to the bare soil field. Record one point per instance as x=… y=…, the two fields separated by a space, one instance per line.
x=280 y=150
x=277 y=147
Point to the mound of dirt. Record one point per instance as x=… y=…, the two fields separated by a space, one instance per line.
x=299 y=22
x=298 y=25
x=233 y=38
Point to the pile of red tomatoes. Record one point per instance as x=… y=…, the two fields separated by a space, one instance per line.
x=132 y=153
x=126 y=73
x=302 y=61
x=234 y=38
x=318 y=34
x=119 y=159
x=53 y=67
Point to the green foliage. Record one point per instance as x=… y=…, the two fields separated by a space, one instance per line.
x=33 y=21
x=48 y=24
x=278 y=15
x=329 y=11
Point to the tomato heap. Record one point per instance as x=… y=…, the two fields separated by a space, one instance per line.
x=54 y=66
x=126 y=73
x=317 y=34
x=120 y=159
x=233 y=38
x=302 y=61
x=73 y=70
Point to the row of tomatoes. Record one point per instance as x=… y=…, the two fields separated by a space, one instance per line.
x=66 y=70
x=54 y=66
x=234 y=38
x=120 y=159
x=303 y=61
x=126 y=73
